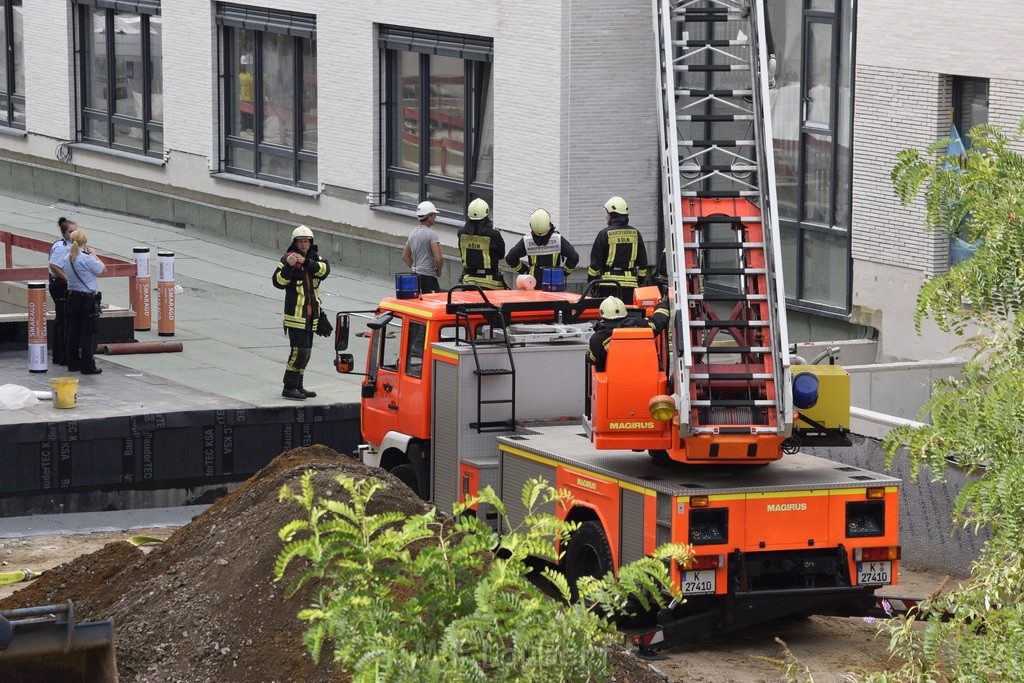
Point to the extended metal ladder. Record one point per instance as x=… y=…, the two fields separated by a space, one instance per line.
x=731 y=366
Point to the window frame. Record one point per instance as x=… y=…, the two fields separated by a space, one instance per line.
x=15 y=53
x=477 y=56
x=83 y=18
x=300 y=27
x=843 y=49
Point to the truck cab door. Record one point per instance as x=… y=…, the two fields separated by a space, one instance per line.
x=382 y=388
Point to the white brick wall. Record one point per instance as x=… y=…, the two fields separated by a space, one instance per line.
x=49 y=76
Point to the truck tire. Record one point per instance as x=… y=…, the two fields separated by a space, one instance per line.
x=588 y=554
x=407 y=475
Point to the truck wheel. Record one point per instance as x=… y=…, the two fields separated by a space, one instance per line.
x=588 y=554
x=407 y=475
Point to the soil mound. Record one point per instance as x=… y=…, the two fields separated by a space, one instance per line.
x=203 y=606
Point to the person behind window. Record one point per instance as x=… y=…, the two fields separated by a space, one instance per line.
x=82 y=266
x=618 y=253
x=482 y=248
x=422 y=251
x=299 y=274
x=59 y=291
x=544 y=247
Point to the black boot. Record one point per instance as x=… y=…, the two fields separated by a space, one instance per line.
x=292 y=384
x=309 y=394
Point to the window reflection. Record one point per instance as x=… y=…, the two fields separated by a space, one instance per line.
x=121 y=63
x=270 y=102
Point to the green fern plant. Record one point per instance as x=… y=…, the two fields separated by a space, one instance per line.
x=420 y=598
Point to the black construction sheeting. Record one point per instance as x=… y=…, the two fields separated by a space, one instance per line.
x=156 y=451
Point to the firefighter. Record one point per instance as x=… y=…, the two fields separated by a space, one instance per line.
x=482 y=248
x=613 y=316
x=619 y=253
x=543 y=248
x=299 y=274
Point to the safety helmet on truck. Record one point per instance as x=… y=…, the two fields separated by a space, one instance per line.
x=612 y=308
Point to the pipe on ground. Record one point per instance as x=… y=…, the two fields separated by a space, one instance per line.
x=138 y=347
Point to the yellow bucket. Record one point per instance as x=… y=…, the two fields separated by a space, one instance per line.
x=65 y=391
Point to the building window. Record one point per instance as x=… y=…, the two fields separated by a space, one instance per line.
x=970 y=105
x=970 y=108
x=438 y=123
x=269 y=99
x=120 y=64
x=812 y=114
x=12 y=76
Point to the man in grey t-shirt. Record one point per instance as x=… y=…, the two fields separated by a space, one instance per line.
x=423 y=249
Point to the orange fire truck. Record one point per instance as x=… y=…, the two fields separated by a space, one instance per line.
x=694 y=436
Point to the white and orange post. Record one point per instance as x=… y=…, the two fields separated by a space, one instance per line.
x=37 y=327
x=143 y=291
x=165 y=292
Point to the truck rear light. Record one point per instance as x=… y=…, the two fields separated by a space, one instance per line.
x=893 y=552
x=709 y=526
x=698 y=501
x=703 y=562
x=876 y=493
x=865 y=518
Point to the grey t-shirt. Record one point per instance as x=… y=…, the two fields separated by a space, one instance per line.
x=420 y=240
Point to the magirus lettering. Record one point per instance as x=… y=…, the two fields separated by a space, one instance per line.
x=788 y=507
x=632 y=425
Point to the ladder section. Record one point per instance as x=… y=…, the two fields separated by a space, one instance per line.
x=490 y=378
x=731 y=364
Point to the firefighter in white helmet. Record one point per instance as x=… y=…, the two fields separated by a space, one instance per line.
x=543 y=247
x=614 y=315
x=299 y=274
x=618 y=253
x=481 y=247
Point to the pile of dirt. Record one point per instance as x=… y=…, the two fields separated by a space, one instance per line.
x=203 y=606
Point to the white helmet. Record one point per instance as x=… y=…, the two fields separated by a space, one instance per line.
x=616 y=205
x=477 y=209
x=425 y=209
x=540 y=222
x=526 y=282
x=302 y=231
x=612 y=308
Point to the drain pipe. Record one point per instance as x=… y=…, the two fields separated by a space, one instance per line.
x=138 y=347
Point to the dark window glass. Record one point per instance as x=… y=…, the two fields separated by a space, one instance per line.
x=970 y=105
x=439 y=138
x=120 y=58
x=269 y=102
x=12 y=70
x=812 y=114
x=416 y=341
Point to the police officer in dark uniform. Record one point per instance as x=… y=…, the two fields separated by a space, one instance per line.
x=619 y=253
x=613 y=316
x=58 y=287
x=543 y=248
x=482 y=248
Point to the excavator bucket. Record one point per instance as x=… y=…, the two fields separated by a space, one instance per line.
x=45 y=644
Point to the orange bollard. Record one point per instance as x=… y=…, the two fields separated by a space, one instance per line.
x=37 y=327
x=165 y=293
x=143 y=296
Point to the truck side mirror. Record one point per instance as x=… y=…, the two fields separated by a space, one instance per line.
x=341 y=328
x=343 y=362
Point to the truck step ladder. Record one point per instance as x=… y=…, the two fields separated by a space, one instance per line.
x=732 y=372
x=490 y=376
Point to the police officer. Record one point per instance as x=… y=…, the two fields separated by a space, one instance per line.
x=613 y=316
x=543 y=248
x=59 y=290
x=619 y=253
x=482 y=248
x=299 y=274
